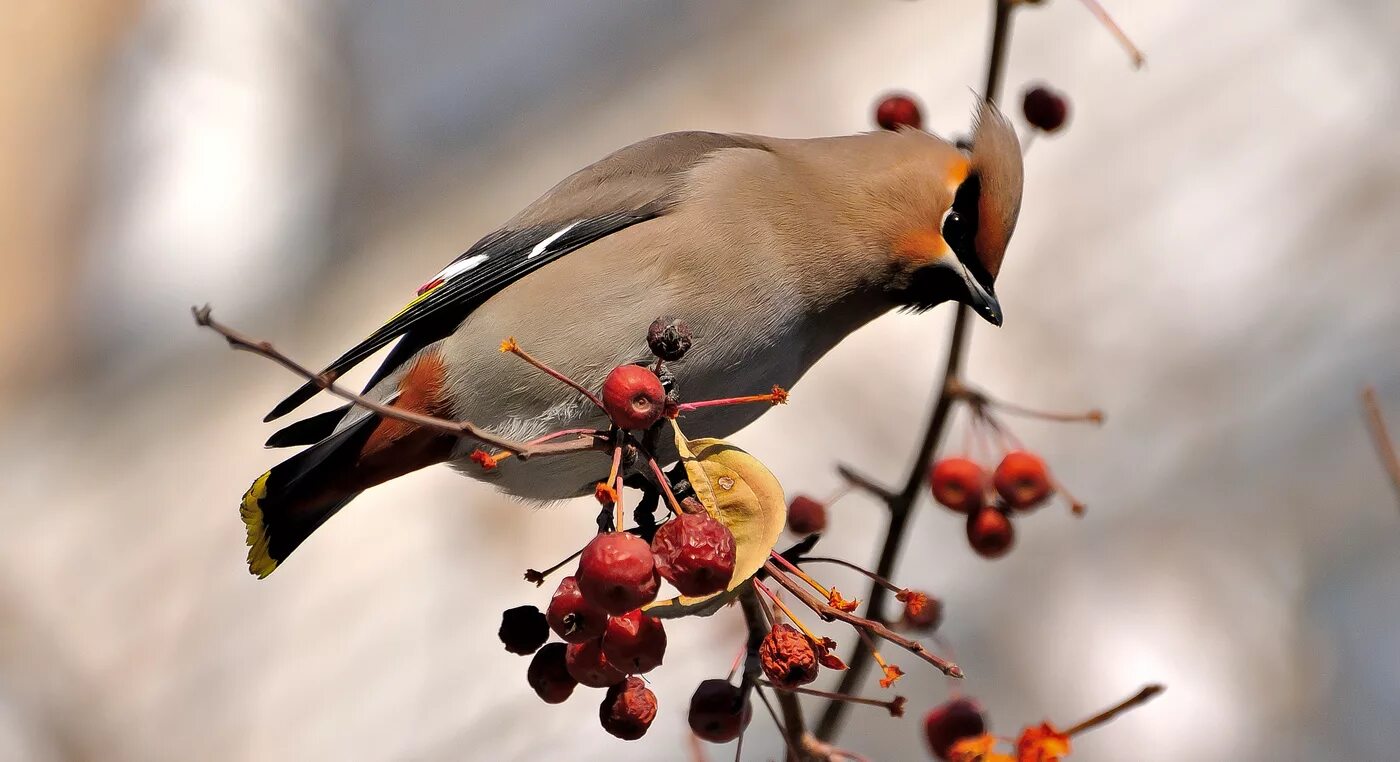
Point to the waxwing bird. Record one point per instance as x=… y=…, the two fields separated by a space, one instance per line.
x=772 y=250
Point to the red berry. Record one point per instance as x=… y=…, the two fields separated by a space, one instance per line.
x=633 y=397
x=572 y=616
x=634 y=642
x=806 y=516
x=695 y=552
x=951 y=722
x=1045 y=108
x=788 y=657
x=669 y=339
x=958 y=483
x=1022 y=480
x=719 y=712
x=628 y=709
x=897 y=110
x=523 y=630
x=923 y=617
x=589 y=666
x=617 y=572
x=989 y=532
x=549 y=674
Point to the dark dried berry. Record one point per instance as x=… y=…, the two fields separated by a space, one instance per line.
x=989 y=532
x=628 y=709
x=695 y=552
x=589 y=666
x=948 y=723
x=1045 y=108
x=617 y=572
x=634 y=642
x=719 y=712
x=806 y=515
x=669 y=339
x=572 y=616
x=523 y=630
x=788 y=657
x=549 y=674
x=898 y=110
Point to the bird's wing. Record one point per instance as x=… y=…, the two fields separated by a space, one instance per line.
x=635 y=184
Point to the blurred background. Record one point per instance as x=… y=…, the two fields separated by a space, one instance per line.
x=1210 y=253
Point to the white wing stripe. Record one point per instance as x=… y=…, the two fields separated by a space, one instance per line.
x=542 y=245
x=459 y=267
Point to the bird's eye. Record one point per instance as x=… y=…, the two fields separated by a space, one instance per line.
x=955 y=230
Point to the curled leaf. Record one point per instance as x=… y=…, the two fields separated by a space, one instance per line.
x=741 y=493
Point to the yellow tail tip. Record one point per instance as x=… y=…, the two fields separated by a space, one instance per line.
x=259 y=562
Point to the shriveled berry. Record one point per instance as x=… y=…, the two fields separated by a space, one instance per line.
x=634 y=642
x=549 y=674
x=898 y=110
x=589 y=666
x=989 y=532
x=695 y=552
x=572 y=616
x=523 y=630
x=633 y=397
x=958 y=483
x=1022 y=480
x=787 y=657
x=719 y=712
x=628 y=709
x=617 y=572
x=806 y=515
x=948 y=723
x=1045 y=108
x=669 y=339
x=922 y=616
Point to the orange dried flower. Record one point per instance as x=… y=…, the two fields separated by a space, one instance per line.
x=780 y=395
x=605 y=493
x=837 y=602
x=486 y=460
x=1042 y=743
x=892 y=675
x=509 y=345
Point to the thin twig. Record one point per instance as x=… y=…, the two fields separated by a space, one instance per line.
x=1385 y=446
x=1143 y=696
x=828 y=613
x=861 y=481
x=510 y=345
x=522 y=450
x=901 y=505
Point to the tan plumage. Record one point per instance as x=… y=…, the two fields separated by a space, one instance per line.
x=773 y=250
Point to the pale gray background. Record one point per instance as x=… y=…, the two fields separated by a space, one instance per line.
x=1209 y=253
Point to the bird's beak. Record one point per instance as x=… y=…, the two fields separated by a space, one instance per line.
x=981 y=298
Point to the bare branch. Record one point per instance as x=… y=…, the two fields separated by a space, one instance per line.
x=1148 y=693
x=522 y=450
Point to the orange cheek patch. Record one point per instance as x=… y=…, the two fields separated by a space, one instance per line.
x=920 y=245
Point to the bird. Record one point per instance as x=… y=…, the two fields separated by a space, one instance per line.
x=772 y=250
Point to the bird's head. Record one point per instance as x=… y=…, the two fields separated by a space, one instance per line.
x=951 y=215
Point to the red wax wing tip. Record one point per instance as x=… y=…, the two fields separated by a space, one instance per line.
x=429 y=286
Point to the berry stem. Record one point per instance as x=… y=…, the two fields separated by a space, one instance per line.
x=786 y=730
x=566 y=432
x=1385 y=446
x=874 y=627
x=510 y=346
x=894 y=706
x=778 y=396
x=1143 y=696
x=538 y=577
x=786 y=611
x=665 y=486
x=872 y=576
x=799 y=573
x=980 y=399
x=1102 y=15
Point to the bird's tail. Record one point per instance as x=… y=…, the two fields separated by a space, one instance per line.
x=285 y=505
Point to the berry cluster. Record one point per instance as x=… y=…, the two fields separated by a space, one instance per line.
x=599 y=611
